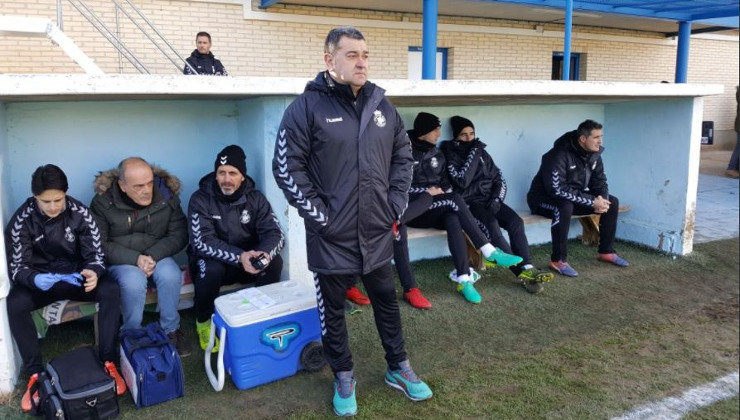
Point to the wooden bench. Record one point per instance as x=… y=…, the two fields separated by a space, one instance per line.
x=590 y=236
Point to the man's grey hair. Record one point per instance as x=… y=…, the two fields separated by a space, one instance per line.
x=124 y=164
x=332 y=39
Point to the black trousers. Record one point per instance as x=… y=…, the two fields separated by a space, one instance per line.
x=209 y=275
x=330 y=294
x=22 y=300
x=509 y=220
x=447 y=212
x=561 y=211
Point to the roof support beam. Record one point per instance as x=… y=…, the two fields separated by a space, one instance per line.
x=429 y=41
x=682 y=53
x=701 y=31
x=567 y=39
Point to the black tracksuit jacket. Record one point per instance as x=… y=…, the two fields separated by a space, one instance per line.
x=429 y=166
x=472 y=172
x=345 y=164
x=65 y=244
x=569 y=172
x=222 y=230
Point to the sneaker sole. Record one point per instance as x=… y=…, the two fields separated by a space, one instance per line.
x=418 y=307
x=561 y=273
x=402 y=389
x=615 y=264
x=345 y=415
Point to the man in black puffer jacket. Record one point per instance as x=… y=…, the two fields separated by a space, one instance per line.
x=570 y=181
x=231 y=223
x=343 y=160
x=473 y=175
x=202 y=60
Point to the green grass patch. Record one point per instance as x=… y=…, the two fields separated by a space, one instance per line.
x=592 y=346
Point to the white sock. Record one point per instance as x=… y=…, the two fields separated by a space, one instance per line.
x=487 y=250
x=463 y=278
x=528 y=266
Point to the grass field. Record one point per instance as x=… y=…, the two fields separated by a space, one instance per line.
x=589 y=347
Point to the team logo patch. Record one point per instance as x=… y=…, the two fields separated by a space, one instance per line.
x=279 y=337
x=245 y=217
x=379 y=118
x=68 y=235
x=434 y=162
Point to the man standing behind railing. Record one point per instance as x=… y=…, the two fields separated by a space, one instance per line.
x=202 y=59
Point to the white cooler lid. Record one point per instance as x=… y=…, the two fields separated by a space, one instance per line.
x=255 y=304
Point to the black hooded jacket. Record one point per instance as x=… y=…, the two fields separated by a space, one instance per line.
x=222 y=229
x=429 y=166
x=345 y=164
x=472 y=172
x=204 y=64
x=569 y=172
x=65 y=244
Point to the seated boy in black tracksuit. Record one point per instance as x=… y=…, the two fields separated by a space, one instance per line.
x=54 y=252
x=479 y=181
x=433 y=205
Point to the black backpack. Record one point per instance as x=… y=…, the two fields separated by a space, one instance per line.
x=75 y=387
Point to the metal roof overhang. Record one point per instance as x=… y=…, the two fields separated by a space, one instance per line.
x=644 y=15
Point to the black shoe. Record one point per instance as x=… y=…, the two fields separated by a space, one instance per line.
x=177 y=338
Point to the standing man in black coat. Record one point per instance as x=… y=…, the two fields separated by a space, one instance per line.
x=343 y=159
x=479 y=181
x=234 y=235
x=570 y=181
x=202 y=59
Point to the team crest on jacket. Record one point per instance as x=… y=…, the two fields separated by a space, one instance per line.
x=434 y=162
x=379 y=118
x=68 y=235
x=245 y=217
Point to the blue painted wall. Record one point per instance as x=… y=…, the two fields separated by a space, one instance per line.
x=649 y=144
x=5 y=194
x=86 y=137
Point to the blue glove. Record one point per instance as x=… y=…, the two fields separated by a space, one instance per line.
x=46 y=281
x=75 y=279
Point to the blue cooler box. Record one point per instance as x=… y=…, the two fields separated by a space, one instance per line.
x=267 y=333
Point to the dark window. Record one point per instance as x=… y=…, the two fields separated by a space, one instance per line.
x=557 y=66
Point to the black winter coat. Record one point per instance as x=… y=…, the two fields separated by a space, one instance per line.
x=65 y=244
x=429 y=167
x=568 y=172
x=204 y=64
x=345 y=164
x=158 y=230
x=472 y=172
x=222 y=230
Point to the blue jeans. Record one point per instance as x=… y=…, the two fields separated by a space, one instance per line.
x=133 y=283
